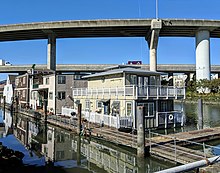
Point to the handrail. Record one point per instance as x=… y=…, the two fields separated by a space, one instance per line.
x=156 y=91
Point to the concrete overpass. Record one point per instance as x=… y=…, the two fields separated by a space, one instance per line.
x=151 y=29
x=94 y=68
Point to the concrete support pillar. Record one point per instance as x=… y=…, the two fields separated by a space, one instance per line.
x=203 y=55
x=51 y=52
x=140 y=132
x=152 y=40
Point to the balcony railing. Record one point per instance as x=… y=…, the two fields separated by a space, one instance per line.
x=173 y=117
x=134 y=91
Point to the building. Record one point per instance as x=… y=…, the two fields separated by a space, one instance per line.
x=8 y=91
x=113 y=96
x=53 y=91
x=22 y=89
x=2 y=84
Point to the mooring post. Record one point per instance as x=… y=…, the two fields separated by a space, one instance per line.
x=4 y=108
x=78 y=150
x=140 y=132
x=79 y=118
x=45 y=109
x=200 y=114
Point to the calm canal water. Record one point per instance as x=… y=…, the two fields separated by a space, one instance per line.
x=50 y=149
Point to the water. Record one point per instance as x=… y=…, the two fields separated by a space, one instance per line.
x=50 y=149
x=47 y=148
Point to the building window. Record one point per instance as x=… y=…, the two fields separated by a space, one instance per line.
x=23 y=93
x=47 y=81
x=61 y=95
x=77 y=77
x=61 y=79
x=24 y=78
x=128 y=108
x=50 y=95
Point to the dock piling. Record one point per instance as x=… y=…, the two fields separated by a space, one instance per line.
x=200 y=114
x=140 y=132
x=79 y=118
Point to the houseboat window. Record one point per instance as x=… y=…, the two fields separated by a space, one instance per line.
x=50 y=95
x=115 y=108
x=99 y=104
x=152 y=80
x=128 y=108
x=149 y=109
x=163 y=106
x=61 y=79
x=99 y=107
x=87 y=105
x=131 y=79
x=61 y=95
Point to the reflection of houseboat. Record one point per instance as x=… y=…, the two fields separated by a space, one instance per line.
x=113 y=96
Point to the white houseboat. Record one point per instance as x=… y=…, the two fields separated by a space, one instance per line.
x=112 y=98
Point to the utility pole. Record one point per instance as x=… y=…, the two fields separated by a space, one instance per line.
x=156 y=9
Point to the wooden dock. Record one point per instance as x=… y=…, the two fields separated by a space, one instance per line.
x=172 y=147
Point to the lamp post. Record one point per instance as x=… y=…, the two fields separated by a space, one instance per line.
x=156 y=9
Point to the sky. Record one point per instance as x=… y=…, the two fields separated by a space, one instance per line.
x=105 y=50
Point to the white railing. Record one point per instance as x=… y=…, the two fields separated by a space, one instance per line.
x=135 y=91
x=173 y=117
x=67 y=111
x=107 y=120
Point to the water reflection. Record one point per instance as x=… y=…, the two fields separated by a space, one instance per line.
x=47 y=146
x=211 y=116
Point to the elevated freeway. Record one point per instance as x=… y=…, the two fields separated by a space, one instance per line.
x=150 y=29
x=93 y=68
x=107 y=28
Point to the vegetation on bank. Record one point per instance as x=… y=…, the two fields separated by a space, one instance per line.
x=208 y=90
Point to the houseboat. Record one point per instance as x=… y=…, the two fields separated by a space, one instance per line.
x=112 y=98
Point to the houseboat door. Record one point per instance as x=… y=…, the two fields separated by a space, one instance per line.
x=142 y=85
x=149 y=114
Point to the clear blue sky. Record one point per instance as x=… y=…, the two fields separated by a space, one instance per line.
x=105 y=50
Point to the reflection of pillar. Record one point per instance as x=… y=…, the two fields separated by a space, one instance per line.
x=27 y=131
x=141 y=165
x=45 y=133
x=140 y=132
x=4 y=108
x=203 y=55
x=79 y=151
x=45 y=109
x=152 y=39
